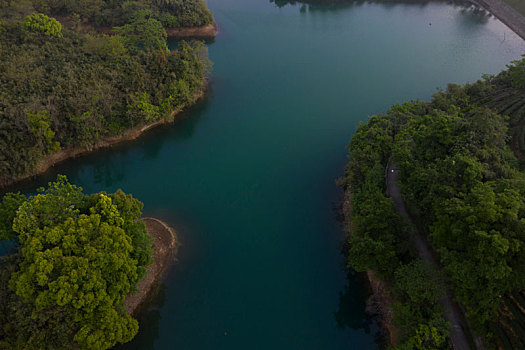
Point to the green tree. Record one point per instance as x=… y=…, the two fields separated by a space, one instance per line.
x=42 y=24
x=79 y=258
x=420 y=283
x=426 y=337
x=8 y=209
x=517 y=73
x=144 y=31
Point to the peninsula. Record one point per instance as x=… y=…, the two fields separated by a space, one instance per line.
x=80 y=266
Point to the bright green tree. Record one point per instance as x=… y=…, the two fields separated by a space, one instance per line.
x=42 y=24
x=80 y=256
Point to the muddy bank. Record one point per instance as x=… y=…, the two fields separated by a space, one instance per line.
x=72 y=152
x=380 y=301
x=164 y=248
x=208 y=31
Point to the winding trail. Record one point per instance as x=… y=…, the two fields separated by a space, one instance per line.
x=451 y=310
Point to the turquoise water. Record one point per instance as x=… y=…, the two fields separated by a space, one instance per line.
x=247 y=177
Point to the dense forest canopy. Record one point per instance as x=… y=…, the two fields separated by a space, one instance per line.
x=63 y=87
x=109 y=13
x=77 y=257
x=459 y=157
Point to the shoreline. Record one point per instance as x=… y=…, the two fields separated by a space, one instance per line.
x=203 y=32
x=72 y=152
x=208 y=31
x=380 y=300
x=164 y=248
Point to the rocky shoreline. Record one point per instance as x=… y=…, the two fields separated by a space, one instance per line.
x=164 y=248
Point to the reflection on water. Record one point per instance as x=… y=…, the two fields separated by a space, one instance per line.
x=469 y=10
x=352 y=311
x=149 y=318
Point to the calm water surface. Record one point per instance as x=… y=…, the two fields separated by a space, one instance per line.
x=247 y=177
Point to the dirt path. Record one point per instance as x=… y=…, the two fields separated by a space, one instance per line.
x=164 y=247
x=452 y=313
x=506 y=14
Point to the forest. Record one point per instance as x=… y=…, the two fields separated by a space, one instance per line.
x=462 y=179
x=65 y=87
x=110 y=13
x=76 y=257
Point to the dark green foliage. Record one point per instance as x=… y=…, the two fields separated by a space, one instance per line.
x=420 y=282
x=378 y=232
x=193 y=13
x=71 y=91
x=144 y=31
x=460 y=175
x=517 y=74
x=461 y=179
x=8 y=208
x=378 y=237
x=78 y=258
x=501 y=338
x=109 y=13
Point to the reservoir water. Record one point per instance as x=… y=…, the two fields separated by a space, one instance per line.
x=247 y=176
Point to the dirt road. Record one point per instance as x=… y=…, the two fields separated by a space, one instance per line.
x=452 y=313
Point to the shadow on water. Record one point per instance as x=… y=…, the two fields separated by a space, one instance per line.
x=472 y=13
x=173 y=43
x=183 y=128
x=5 y=247
x=352 y=312
x=149 y=319
x=110 y=167
x=318 y=5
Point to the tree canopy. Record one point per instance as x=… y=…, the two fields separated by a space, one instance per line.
x=109 y=13
x=461 y=179
x=78 y=257
x=73 y=89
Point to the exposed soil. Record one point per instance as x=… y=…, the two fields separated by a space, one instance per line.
x=164 y=248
